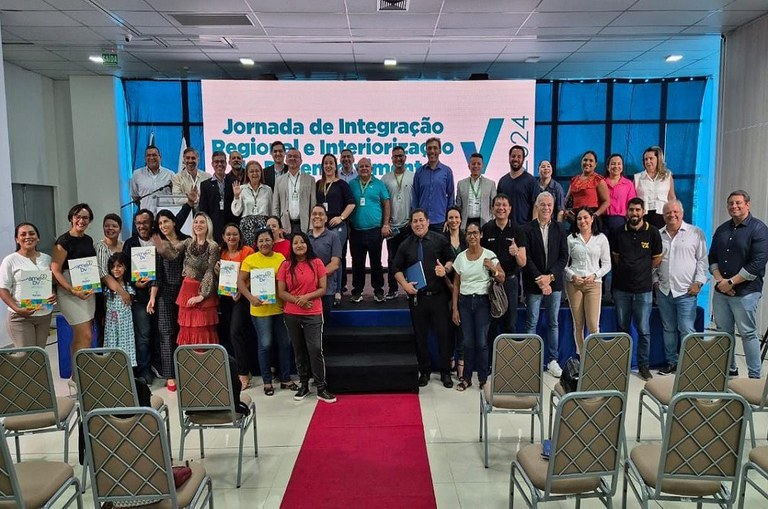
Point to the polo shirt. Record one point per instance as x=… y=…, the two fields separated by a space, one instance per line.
x=435 y=246
x=522 y=193
x=635 y=250
x=370 y=215
x=326 y=246
x=498 y=240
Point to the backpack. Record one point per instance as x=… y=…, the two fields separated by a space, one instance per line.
x=498 y=299
x=569 y=380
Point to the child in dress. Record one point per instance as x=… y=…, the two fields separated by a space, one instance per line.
x=118 y=324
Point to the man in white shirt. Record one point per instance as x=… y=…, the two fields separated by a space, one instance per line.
x=294 y=195
x=190 y=177
x=474 y=194
x=150 y=180
x=347 y=160
x=678 y=279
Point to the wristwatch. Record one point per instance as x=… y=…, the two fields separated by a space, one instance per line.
x=730 y=282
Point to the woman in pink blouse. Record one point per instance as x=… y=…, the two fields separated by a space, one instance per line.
x=621 y=190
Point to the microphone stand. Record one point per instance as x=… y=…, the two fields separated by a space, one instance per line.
x=138 y=200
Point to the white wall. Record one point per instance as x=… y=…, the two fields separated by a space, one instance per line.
x=743 y=126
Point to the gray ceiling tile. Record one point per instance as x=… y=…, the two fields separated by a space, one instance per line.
x=279 y=32
x=126 y=5
x=465 y=58
x=456 y=47
x=302 y=6
x=489 y=6
x=394 y=48
x=36 y=19
x=25 y=5
x=583 y=5
x=569 y=19
x=146 y=19
x=65 y=35
x=659 y=18
x=643 y=31
x=197 y=6
x=619 y=56
x=637 y=44
x=683 y=5
x=511 y=21
x=92 y=18
x=294 y=20
x=71 y=5
x=340 y=48
x=381 y=21
x=724 y=18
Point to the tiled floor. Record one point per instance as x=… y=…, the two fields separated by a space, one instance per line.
x=450 y=427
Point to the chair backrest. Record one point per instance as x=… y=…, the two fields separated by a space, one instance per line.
x=587 y=438
x=703 y=438
x=518 y=360
x=203 y=379
x=605 y=362
x=104 y=379
x=9 y=484
x=26 y=383
x=704 y=362
x=128 y=455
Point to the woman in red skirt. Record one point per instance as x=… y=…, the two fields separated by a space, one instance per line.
x=197 y=300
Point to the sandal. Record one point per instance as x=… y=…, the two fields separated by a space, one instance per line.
x=245 y=382
x=460 y=369
x=289 y=385
x=269 y=390
x=463 y=386
x=453 y=364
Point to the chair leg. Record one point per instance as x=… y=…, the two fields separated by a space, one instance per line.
x=512 y=486
x=752 y=429
x=744 y=473
x=639 y=416
x=240 y=457
x=485 y=434
x=85 y=476
x=480 y=429
x=533 y=422
x=202 y=444
x=624 y=486
x=18 y=450
x=168 y=430
x=181 y=443
x=255 y=435
x=551 y=410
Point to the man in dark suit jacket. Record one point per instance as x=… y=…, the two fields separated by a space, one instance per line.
x=547 y=255
x=216 y=196
x=273 y=171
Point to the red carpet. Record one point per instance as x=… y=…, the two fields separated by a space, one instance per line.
x=363 y=451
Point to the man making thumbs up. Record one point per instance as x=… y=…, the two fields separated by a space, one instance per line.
x=429 y=304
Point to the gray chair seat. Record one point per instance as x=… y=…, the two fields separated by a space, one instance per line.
x=750 y=389
x=646 y=459
x=661 y=388
x=39 y=481
x=759 y=456
x=510 y=402
x=184 y=493
x=36 y=421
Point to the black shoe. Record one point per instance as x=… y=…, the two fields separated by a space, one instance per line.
x=423 y=380
x=378 y=296
x=289 y=385
x=733 y=372
x=645 y=373
x=447 y=382
x=302 y=392
x=391 y=295
x=669 y=370
x=324 y=395
x=356 y=297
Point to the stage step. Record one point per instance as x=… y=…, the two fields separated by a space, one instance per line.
x=370 y=359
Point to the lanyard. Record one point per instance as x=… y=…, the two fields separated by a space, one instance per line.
x=475 y=192
x=326 y=188
x=399 y=182
x=364 y=187
x=295 y=182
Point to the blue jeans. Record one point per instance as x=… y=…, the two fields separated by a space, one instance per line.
x=678 y=315
x=740 y=312
x=142 y=328
x=268 y=328
x=637 y=306
x=533 y=306
x=335 y=282
x=475 y=313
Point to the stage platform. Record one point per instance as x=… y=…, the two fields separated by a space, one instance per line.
x=394 y=313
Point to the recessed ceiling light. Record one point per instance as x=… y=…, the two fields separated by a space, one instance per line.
x=247 y=61
x=96 y=59
x=673 y=58
x=390 y=62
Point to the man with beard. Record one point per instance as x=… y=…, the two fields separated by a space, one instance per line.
x=146 y=181
x=399 y=183
x=474 y=194
x=271 y=172
x=236 y=172
x=636 y=250
x=217 y=195
x=294 y=195
x=347 y=160
x=520 y=186
x=433 y=188
x=190 y=177
x=327 y=247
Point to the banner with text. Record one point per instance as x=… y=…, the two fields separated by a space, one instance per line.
x=370 y=118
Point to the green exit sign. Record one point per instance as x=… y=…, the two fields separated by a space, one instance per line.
x=109 y=58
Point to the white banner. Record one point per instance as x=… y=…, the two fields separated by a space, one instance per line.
x=372 y=117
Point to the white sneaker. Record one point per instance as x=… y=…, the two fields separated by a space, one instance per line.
x=554 y=369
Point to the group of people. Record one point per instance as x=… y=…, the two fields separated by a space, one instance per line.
x=524 y=233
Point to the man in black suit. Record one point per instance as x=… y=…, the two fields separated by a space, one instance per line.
x=273 y=171
x=546 y=257
x=216 y=195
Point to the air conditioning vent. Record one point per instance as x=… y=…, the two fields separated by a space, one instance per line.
x=212 y=20
x=393 y=5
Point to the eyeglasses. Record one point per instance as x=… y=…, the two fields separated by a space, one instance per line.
x=82 y=218
x=472 y=234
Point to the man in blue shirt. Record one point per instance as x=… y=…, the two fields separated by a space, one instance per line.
x=737 y=259
x=521 y=187
x=370 y=225
x=433 y=188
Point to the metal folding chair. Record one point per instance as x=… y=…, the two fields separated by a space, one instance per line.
x=206 y=397
x=516 y=382
x=700 y=453
x=755 y=391
x=585 y=449
x=104 y=379
x=758 y=461
x=28 y=401
x=702 y=367
x=130 y=461
x=605 y=366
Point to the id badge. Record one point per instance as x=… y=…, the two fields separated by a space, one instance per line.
x=221 y=204
x=325 y=206
x=362 y=201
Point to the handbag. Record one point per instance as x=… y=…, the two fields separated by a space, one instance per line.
x=569 y=379
x=498 y=299
x=181 y=474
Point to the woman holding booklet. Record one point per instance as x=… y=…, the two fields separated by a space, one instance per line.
x=256 y=283
x=25 y=287
x=76 y=273
x=112 y=225
x=233 y=325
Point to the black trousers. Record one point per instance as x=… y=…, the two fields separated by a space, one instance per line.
x=430 y=313
x=362 y=243
x=235 y=330
x=392 y=244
